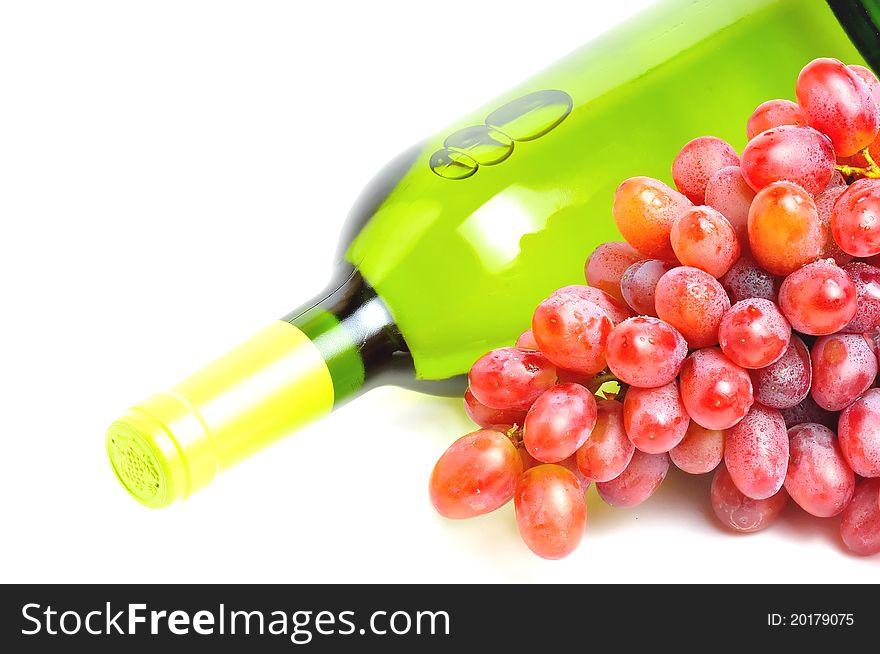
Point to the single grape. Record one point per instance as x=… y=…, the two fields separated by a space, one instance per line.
x=616 y=309
x=608 y=450
x=701 y=237
x=511 y=378
x=639 y=283
x=655 y=419
x=838 y=103
x=716 y=392
x=774 y=113
x=858 y=431
x=476 y=475
x=754 y=333
x=700 y=451
x=792 y=153
x=606 y=264
x=785 y=382
x=645 y=352
x=756 y=452
x=746 y=279
x=860 y=525
x=855 y=218
x=643 y=211
x=550 y=510
x=818 y=299
x=844 y=366
x=824 y=205
x=728 y=192
x=639 y=480
x=693 y=302
x=818 y=478
x=740 y=512
x=526 y=341
x=572 y=332
x=559 y=422
x=869 y=79
x=808 y=411
x=486 y=416
x=867 y=281
x=697 y=161
x=784 y=229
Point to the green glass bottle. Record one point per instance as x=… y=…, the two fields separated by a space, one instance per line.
x=448 y=250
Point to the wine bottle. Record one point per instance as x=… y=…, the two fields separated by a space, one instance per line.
x=450 y=247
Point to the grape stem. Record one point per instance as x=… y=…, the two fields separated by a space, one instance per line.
x=872 y=170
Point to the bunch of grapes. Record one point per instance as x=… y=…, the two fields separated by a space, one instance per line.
x=734 y=331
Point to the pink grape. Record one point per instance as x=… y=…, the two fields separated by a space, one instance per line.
x=740 y=512
x=639 y=283
x=697 y=161
x=869 y=79
x=526 y=341
x=606 y=264
x=716 y=392
x=616 y=309
x=818 y=478
x=700 y=451
x=855 y=218
x=570 y=464
x=693 y=302
x=785 y=382
x=643 y=211
x=818 y=299
x=808 y=411
x=791 y=153
x=645 y=352
x=641 y=478
x=572 y=332
x=838 y=103
x=550 y=510
x=746 y=279
x=824 y=205
x=701 y=237
x=774 y=113
x=608 y=450
x=844 y=366
x=867 y=281
x=756 y=452
x=858 y=431
x=559 y=422
x=486 y=416
x=476 y=475
x=511 y=378
x=860 y=525
x=754 y=333
x=728 y=192
x=573 y=377
x=655 y=419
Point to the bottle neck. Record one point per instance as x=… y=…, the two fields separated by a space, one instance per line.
x=860 y=20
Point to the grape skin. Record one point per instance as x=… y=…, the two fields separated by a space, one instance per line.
x=645 y=352
x=700 y=451
x=818 y=478
x=754 y=333
x=559 y=422
x=818 y=299
x=808 y=411
x=703 y=238
x=643 y=211
x=800 y=155
x=639 y=284
x=739 y=512
x=858 y=432
x=785 y=382
x=608 y=450
x=716 y=392
x=844 y=366
x=697 y=161
x=550 y=510
x=693 y=302
x=774 y=113
x=486 y=416
x=756 y=452
x=606 y=264
x=824 y=206
x=572 y=333
x=728 y=192
x=746 y=279
x=510 y=378
x=867 y=281
x=641 y=478
x=655 y=419
x=855 y=219
x=860 y=525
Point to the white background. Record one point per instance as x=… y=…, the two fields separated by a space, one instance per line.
x=172 y=177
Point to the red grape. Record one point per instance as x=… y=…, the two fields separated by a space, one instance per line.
x=716 y=392
x=808 y=411
x=844 y=366
x=869 y=79
x=559 y=422
x=818 y=477
x=655 y=418
x=637 y=482
x=824 y=206
x=838 y=103
x=818 y=299
x=476 y=475
x=774 y=113
x=784 y=228
x=606 y=264
x=867 y=281
x=697 y=161
x=746 y=279
x=693 y=302
x=511 y=378
x=608 y=450
x=570 y=464
x=789 y=153
x=858 y=431
x=573 y=377
x=526 y=341
x=643 y=211
x=855 y=218
x=785 y=382
x=550 y=510
x=753 y=333
x=486 y=416
x=616 y=309
x=860 y=525
x=639 y=283
x=701 y=237
x=645 y=351
x=572 y=332
x=740 y=512
x=728 y=192
x=700 y=451
x=756 y=452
